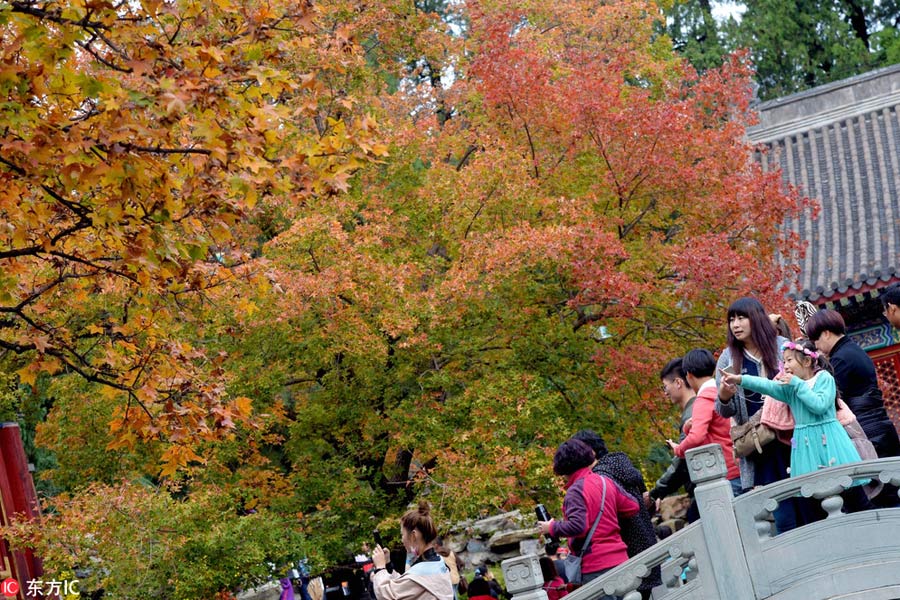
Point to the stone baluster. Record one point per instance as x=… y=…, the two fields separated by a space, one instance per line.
x=524 y=578
x=891 y=478
x=828 y=490
x=720 y=529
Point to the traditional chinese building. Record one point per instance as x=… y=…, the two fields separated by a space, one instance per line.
x=840 y=143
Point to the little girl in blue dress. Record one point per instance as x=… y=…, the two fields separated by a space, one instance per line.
x=806 y=385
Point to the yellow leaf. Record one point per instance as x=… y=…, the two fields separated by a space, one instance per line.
x=173 y=103
x=247 y=306
x=27 y=375
x=212 y=52
x=244 y=405
x=169 y=468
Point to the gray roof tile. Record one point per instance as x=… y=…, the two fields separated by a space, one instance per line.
x=841 y=145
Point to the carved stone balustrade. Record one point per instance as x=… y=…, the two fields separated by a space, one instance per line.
x=844 y=555
x=523 y=577
x=732 y=553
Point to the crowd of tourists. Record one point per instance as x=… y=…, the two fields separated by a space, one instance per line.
x=780 y=406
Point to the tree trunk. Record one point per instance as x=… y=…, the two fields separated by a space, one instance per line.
x=856 y=13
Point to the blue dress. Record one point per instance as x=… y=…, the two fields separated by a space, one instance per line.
x=819 y=439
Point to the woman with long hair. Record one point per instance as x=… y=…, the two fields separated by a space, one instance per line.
x=753 y=349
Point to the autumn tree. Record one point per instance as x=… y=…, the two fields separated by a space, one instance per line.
x=137 y=137
x=438 y=328
x=552 y=205
x=146 y=148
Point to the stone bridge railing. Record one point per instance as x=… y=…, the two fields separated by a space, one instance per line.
x=734 y=554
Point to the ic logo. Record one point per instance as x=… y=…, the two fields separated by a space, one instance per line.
x=9 y=587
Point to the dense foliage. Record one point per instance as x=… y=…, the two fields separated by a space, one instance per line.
x=269 y=271
x=793 y=44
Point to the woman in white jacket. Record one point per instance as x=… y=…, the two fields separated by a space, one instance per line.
x=428 y=577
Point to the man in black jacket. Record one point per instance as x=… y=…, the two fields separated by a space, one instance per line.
x=890 y=302
x=677 y=390
x=857 y=381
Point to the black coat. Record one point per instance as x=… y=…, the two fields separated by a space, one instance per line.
x=637 y=532
x=677 y=474
x=854 y=374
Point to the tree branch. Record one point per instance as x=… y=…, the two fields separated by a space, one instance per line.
x=87 y=48
x=55 y=16
x=624 y=231
x=161 y=150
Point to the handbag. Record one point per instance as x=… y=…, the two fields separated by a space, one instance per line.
x=861 y=442
x=851 y=425
x=572 y=562
x=751 y=436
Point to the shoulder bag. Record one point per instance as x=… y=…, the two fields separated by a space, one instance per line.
x=572 y=562
x=751 y=436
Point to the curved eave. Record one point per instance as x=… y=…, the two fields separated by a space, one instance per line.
x=849 y=288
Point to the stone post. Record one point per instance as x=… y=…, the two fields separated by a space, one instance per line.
x=720 y=529
x=523 y=577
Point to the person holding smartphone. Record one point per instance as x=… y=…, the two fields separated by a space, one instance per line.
x=590 y=498
x=677 y=390
x=428 y=577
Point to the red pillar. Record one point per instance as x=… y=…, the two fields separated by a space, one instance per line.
x=17 y=497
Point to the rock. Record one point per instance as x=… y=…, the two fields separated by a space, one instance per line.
x=533 y=546
x=490 y=525
x=498 y=558
x=457 y=545
x=268 y=591
x=492 y=539
x=475 y=559
x=505 y=538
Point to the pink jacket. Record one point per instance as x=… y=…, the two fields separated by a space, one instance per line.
x=778 y=416
x=707 y=427
x=581 y=506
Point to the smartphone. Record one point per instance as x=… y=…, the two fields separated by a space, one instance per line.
x=376 y=535
x=730 y=370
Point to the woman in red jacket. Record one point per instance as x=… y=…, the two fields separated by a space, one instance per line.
x=583 y=503
x=553 y=583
